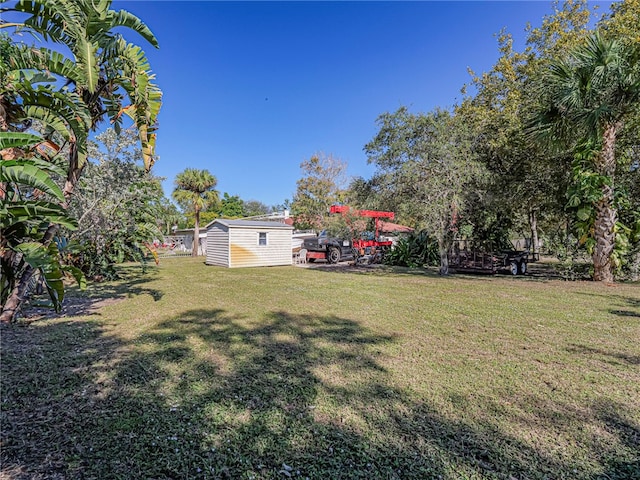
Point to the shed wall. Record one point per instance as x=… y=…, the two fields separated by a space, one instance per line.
x=218 y=245
x=244 y=250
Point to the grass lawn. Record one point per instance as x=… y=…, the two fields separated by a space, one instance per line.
x=286 y=372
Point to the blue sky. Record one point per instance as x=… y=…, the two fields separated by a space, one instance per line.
x=251 y=89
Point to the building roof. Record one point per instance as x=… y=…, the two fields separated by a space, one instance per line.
x=187 y=231
x=249 y=224
x=388 y=227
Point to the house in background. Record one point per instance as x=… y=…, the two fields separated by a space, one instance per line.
x=182 y=241
x=392 y=232
x=248 y=243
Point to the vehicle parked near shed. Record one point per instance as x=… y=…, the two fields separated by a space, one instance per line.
x=331 y=249
x=361 y=250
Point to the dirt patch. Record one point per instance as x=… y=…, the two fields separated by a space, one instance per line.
x=342 y=266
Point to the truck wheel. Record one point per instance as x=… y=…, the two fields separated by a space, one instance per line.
x=333 y=255
x=513 y=268
x=522 y=268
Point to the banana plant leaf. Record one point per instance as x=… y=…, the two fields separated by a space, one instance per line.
x=34 y=212
x=25 y=172
x=17 y=139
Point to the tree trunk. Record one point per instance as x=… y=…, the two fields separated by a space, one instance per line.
x=196 y=234
x=606 y=217
x=16 y=297
x=443 y=249
x=606 y=213
x=533 y=225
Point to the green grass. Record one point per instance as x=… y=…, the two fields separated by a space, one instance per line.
x=286 y=372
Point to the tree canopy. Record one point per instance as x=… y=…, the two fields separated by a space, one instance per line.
x=323 y=184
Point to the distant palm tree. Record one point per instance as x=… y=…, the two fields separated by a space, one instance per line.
x=195 y=190
x=588 y=98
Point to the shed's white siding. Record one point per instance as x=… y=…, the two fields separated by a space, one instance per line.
x=236 y=244
x=218 y=245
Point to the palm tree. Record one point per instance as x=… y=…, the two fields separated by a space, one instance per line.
x=588 y=96
x=195 y=190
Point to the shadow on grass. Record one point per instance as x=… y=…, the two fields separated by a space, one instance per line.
x=625 y=357
x=88 y=302
x=535 y=273
x=628 y=303
x=629 y=306
x=212 y=395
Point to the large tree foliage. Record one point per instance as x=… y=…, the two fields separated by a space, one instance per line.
x=527 y=181
x=115 y=224
x=533 y=180
x=255 y=208
x=231 y=206
x=104 y=70
x=323 y=184
x=99 y=75
x=426 y=163
x=195 y=192
x=586 y=99
x=524 y=181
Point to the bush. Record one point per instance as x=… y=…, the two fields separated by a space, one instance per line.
x=414 y=250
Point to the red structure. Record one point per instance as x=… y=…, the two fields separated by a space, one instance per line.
x=360 y=244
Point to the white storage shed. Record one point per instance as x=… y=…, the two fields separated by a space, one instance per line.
x=247 y=243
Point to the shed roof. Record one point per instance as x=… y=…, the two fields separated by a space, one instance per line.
x=186 y=231
x=249 y=224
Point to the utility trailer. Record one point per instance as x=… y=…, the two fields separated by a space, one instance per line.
x=361 y=250
x=466 y=257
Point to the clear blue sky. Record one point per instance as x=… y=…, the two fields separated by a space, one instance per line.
x=251 y=89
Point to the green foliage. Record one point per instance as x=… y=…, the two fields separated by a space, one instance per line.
x=253 y=208
x=189 y=219
x=490 y=230
x=68 y=94
x=24 y=221
x=104 y=69
x=343 y=226
x=415 y=250
x=28 y=173
x=587 y=98
x=232 y=206
x=169 y=216
x=426 y=164
x=195 y=192
x=322 y=185
x=116 y=224
x=31 y=212
x=583 y=196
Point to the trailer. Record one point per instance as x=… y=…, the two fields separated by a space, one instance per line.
x=465 y=256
